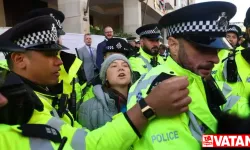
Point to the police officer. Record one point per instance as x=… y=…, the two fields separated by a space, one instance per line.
x=70 y=69
x=148 y=56
x=233 y=36
x=38 y=66
x=132 y=46
x=163 y=51
x=137 y=43
x=195 y=33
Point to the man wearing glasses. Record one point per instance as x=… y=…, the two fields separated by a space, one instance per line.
x=108 y=33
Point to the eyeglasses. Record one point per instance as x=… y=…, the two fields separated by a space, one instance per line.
x=109 y=32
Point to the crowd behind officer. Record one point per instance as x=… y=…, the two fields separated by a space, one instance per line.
x=44 y=113
x=43 y=53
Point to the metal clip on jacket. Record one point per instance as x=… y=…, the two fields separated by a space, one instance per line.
x=62 y=105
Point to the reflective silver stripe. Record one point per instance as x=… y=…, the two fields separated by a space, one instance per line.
x=194 y=127
x=40 y=144
x=55 y=114
x=226 y=89
x=55 y=123
x=142 y=84
x=78 y=140
x=231 y=101
x=149 y=66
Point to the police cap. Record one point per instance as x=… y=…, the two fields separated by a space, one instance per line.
x=57 y=15
x=204 y=24
x=150 y=31
x=117 y=45
x=38 y=33
x=130 y=39
x=234 y=29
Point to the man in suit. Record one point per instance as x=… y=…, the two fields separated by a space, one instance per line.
x=88 y=55
x=108 y=33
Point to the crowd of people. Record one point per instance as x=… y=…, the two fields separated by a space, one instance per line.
x=126 y=94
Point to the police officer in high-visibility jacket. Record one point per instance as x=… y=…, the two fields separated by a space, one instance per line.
x=233 y=36
x=195 y=34
x=148 y=56
x=37 y=67
x=233 y=67
x=70 y=74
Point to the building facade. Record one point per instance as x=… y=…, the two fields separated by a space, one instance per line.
x=125 y=15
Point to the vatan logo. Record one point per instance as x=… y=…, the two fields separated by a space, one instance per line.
x=54 y=32
x=222 y=21
x=57 y=21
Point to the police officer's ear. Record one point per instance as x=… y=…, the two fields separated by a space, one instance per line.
x=142 y=42
x=173 y=45
x=18 y=60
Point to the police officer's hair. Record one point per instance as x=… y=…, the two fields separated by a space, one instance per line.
x=9 y=61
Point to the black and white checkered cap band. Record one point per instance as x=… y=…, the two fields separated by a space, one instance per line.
x=233 y=29
x=195 y=26
x=148 y=32
x=34 y=39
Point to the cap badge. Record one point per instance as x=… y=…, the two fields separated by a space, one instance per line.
x=156 y=30
x=54 y=32
x=234 y=29
x=118 y=45
x=57 y=21
x=222 y=20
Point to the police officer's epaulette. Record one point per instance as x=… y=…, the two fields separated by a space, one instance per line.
x=163 y=76
x=41 y=131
